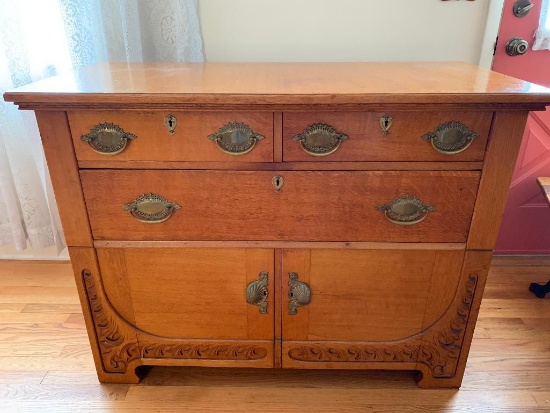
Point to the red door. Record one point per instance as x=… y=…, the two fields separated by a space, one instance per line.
x=526 y=218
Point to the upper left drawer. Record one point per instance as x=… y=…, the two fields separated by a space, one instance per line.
x=172 y=136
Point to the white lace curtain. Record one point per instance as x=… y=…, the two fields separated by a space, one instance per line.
x=542 y=35
x=41 y=38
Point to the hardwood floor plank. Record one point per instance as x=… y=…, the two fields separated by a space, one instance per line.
x=42 y=349
x=338 y=397
x=47 y=393
x=31 y=377
x=542 y=398
x=37 y=294
x=52 y=308
x=11 y=307
x=45 y=363
x=227 y=407
x=25 y=318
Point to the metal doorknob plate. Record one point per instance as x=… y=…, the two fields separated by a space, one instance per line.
x=516 y=46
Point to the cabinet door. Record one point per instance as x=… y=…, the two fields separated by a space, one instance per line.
x=380 y=297
x=212 y=304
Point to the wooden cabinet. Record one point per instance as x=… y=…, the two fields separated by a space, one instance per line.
x=281 y=215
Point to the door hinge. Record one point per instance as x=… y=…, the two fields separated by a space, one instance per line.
x=495 y=48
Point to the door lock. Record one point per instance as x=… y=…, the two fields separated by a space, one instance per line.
x=516 y=46
x=522 y=8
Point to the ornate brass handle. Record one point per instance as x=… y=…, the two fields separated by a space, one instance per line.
x=405 y=210
x=151 y=209
x=451 y=138
x=257 y=292
x=299 y=293
x=235 y=138
x=320 y=139
x=108 y=138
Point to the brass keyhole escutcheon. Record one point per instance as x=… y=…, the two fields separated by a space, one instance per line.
x=170 y=121
x=386 y=123
x=277 y=182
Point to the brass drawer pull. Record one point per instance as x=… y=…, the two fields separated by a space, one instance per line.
x=151 y=209
x=299 y=293
x=235 y=138
x=451 y=138
x=320 y=139
x=257 y=292
x=108 y=138
x=406 y=210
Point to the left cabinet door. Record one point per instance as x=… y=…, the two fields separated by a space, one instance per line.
x=212 y=305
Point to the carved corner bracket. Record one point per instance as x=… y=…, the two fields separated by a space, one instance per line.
x=438 y=347
x=119 y=345
x=441 y=346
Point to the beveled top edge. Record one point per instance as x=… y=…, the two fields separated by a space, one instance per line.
x=279 y=84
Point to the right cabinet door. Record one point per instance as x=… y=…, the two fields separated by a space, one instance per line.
x=344 y=307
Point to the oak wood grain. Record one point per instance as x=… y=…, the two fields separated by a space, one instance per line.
x=500 y=159
x=362 y=295
x=367 y=142
x=56 y=140
x=290 y=166
x=311 y=206
x=189 y=142
x=182 y=300
x=119 y=85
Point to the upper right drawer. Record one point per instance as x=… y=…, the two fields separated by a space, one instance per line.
x=385 y=136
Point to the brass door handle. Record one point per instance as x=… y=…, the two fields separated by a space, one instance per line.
x=320 y=139
x=151 y=209
x=257 y=292
x=405 y=210
x=235 y=138
x=108 y=138
x=299 y=293
x=451 y=138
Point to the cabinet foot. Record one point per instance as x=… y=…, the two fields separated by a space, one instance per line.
x=426 y=380
x=132 y=375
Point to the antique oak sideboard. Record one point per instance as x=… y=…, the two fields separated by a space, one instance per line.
x=335 y=215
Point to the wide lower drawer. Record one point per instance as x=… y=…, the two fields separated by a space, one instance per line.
x=284 y=205
x=385 y=136
x=178 y=136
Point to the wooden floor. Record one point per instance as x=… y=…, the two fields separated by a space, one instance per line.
x=46 y=364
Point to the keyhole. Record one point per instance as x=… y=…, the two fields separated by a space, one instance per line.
x=277 y=182
x=170 y=121
x=386 y=123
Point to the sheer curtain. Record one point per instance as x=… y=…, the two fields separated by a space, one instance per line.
x=41 y=38
x=542 y=35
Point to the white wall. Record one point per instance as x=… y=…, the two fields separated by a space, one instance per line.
x=342 y=30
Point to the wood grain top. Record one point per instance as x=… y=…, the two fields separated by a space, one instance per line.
x=544 y=183
x=148 y=84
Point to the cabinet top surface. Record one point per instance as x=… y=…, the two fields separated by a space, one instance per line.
x=137 y=84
